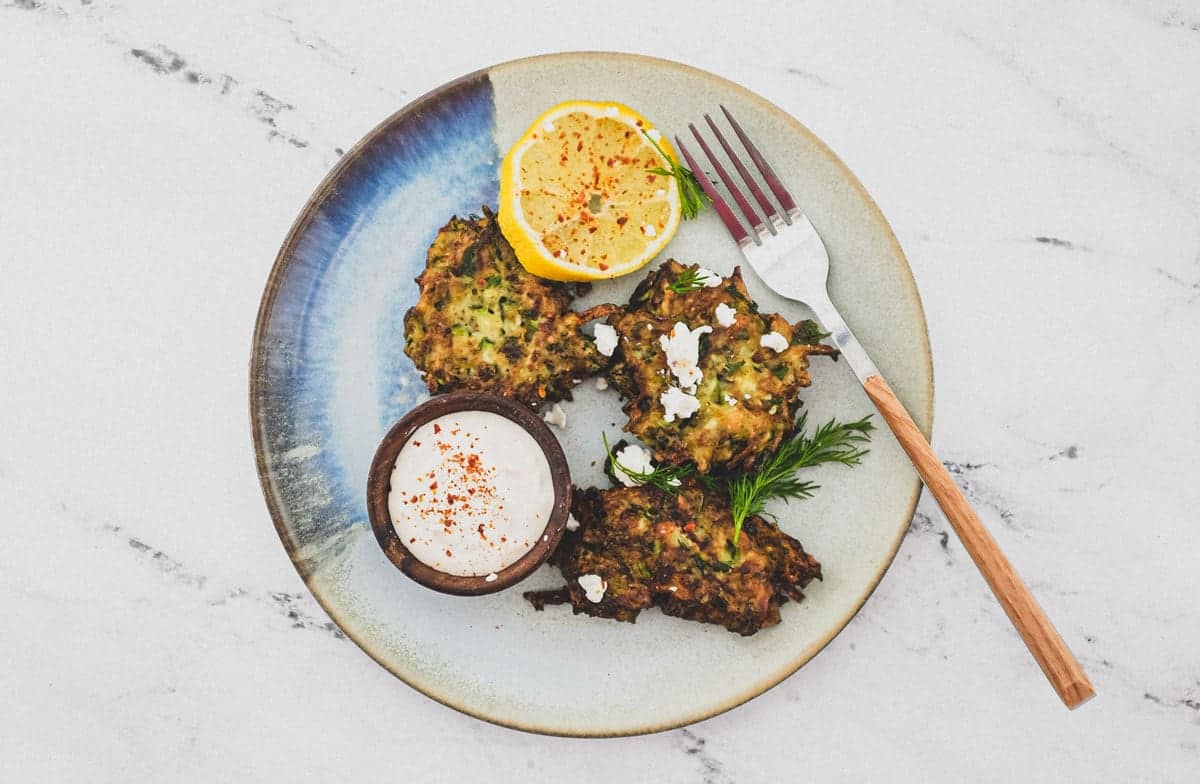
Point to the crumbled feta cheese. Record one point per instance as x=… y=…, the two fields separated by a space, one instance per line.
x=556 y=416
x=606 y=339
x=773 y=340
x=634 y=460
x=601 y=383
x=491 y=578
x=730 y=400
x=593 y=586
x=649 y=230
x=547 y=126
x=725 y=315
x=677 y=403
x=708 y=277
x=683 y=353
x=572 y=523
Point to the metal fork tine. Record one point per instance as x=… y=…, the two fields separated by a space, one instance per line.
x=759 y=196
x=785 y=198
x=747 y=210
x=740 y=235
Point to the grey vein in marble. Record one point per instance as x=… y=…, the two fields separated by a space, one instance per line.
x=261 y=105
x=809 y=76
x=299 y=608
x=711 y=770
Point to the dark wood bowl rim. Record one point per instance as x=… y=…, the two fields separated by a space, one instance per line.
x=379 y=486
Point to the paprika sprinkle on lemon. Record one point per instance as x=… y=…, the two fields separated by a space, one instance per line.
x=579 y=195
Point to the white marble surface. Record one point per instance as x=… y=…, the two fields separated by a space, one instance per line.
x=1040 y=164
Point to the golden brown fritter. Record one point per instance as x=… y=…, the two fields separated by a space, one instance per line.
x=748 y=394
x=483 y=323
x=674 y=551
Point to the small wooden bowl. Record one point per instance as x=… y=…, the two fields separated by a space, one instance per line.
x=379 y=486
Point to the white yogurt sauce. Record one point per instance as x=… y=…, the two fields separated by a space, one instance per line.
x=471 y=493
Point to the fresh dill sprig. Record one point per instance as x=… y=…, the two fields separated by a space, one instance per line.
x=692 y=197
x=832 y=442
x=688 y=280
x=665 y=478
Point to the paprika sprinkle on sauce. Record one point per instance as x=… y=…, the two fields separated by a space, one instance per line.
x=471 y=492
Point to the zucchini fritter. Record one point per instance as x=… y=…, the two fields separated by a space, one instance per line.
x=483 y=323
x=748 y=393
x=673 y=551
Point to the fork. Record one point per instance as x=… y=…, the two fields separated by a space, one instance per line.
x=789 y=256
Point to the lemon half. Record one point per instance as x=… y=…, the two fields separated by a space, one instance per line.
x=577 y=199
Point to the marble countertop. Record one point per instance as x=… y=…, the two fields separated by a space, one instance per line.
x=1041 y=168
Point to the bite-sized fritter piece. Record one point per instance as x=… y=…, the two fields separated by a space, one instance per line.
x=483 y=323
x=747 y=391
x=675 y=551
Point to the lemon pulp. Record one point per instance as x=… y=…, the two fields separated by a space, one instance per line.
x=578 y=199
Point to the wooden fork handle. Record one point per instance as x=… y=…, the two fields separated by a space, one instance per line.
x=1044 y=642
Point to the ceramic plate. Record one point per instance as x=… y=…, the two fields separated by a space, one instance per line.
x=329 y=376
